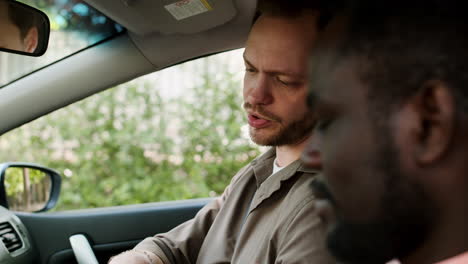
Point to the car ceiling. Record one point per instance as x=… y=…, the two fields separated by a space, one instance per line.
x=144 y=17
x=154 y=40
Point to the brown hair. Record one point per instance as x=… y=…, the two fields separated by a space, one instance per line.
x=294 y=8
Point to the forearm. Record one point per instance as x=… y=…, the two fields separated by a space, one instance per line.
x=180 y=245
x=136 y=257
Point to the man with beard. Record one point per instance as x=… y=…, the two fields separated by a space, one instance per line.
x=388 y=85
x=267 y=213
x=18 y=27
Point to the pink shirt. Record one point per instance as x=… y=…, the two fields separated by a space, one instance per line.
x=460 y=259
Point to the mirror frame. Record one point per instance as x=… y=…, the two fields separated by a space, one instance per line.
x=46 y=33
x=55 y=185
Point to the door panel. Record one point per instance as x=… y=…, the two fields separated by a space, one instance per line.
x=109 y=230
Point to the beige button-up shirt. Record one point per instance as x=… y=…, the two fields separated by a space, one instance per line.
x=258 y=219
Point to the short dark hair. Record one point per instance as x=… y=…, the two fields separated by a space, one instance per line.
x=27 y=20
x=401 y=45
x=291 y=9
x=23 y=20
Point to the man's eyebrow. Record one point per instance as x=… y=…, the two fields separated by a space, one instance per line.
x=275 y=72
x=247 y=61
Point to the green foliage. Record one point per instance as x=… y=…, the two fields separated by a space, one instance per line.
x=14 y=179
x=132 y=145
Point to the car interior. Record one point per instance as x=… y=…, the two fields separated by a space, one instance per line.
x=155 y=35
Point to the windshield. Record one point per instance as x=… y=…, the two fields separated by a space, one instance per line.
x=74 y=27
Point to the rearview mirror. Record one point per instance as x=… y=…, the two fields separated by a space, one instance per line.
x=23 y=29
x=28 y=187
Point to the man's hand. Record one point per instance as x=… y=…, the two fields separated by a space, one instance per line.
x=136 y=257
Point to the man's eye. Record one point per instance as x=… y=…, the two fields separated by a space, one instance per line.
x=287 y=82
x=249 y=69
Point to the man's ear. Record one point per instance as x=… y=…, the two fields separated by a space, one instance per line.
x=434 y=106
x=31 y=40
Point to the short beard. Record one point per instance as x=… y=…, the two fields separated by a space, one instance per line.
x=403 y=223
x=291 y=134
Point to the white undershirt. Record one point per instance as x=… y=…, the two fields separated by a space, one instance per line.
x=276 y=168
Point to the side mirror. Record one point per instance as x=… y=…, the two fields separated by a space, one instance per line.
x=28 y=187
x=23 y=29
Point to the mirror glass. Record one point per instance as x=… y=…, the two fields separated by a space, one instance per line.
x=27 y=189
x=23 y=29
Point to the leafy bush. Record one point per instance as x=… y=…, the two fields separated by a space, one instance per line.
x=132 y=145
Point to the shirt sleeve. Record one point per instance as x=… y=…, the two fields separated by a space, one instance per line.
x=303 y=240
x=182 y=244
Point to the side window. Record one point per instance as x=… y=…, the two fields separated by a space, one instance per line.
x=175 y=134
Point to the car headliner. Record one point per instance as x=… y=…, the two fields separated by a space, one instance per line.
x=154 y=40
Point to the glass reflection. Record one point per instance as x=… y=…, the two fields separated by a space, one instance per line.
x=19 y=28
x=74 y=26
x=27 y=189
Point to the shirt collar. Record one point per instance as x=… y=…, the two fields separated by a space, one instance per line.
x=262 y=170
x=263 y=166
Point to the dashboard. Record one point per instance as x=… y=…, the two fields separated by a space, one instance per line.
x=15 y=246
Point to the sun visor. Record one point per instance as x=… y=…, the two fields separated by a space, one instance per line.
x=144 y=17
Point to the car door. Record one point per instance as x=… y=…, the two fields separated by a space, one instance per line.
x=109 y=230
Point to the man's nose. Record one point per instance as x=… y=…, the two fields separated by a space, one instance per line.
x=311 y=156
x=260 y=91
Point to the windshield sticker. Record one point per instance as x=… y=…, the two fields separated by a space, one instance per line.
x=188 y=8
